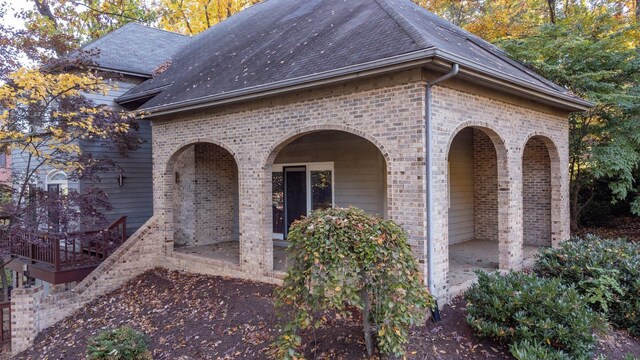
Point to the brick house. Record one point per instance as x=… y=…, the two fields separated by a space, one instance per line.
x=291 y=106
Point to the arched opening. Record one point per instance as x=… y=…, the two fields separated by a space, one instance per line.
x=205 y=203
x=536 y=195
x=476 y=163
x=326 y=168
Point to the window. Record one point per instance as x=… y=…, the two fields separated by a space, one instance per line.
x=57 y=182
x=298 y=189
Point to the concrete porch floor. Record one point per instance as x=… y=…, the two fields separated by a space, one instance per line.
x=467 y=257
x=230 y=252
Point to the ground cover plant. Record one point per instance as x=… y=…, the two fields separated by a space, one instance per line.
x=606 y=272
x=345 y=258
x=123 y=343
x=537 y=317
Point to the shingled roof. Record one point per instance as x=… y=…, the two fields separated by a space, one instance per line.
x=280 y=44
x=136 y=49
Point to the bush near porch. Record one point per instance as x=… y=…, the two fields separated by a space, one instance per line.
x=539 y=318
x=345 y=258
x=606 y=272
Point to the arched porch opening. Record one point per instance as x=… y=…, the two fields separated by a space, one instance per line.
x=540 y=195
x=320 y=169
x=203 y=209
x=476 y=169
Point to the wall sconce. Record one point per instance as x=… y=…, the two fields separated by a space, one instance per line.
x=121 y=180
x=177 y=177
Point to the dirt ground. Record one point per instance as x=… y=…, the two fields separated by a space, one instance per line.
x=188 y=316
x=620 y=227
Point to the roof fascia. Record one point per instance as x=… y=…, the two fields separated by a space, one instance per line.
x=406 y=61
x=388 y=65
x=524 y=88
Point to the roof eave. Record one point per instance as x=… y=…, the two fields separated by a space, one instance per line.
x=392 y=64
x=396 y=63
x=523 y=88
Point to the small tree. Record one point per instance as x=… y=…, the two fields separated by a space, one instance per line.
x=345 y=258
x=44 y=118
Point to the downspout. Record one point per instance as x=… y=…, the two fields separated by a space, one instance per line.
x=429 y=179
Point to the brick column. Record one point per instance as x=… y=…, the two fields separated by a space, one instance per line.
x=254 y=244
x=510 y=230
x=24 y=327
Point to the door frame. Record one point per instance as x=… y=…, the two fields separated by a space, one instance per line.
x=309 y=166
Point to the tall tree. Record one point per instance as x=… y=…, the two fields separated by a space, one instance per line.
x=193 y=16
x=54 y=27
x=594 y=55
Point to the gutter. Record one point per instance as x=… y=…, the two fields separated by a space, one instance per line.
x=455 y=68
x=378 y=67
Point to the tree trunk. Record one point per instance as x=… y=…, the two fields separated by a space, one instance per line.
x=573 y=208
x=366 y=309
x=552 y=10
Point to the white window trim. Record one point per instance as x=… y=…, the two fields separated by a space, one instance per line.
x=309 y=166
x=64 y=184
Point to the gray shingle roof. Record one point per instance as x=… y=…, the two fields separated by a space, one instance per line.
x=136 y=48
x=283 y=40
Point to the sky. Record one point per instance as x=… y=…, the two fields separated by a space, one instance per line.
x=14 y=7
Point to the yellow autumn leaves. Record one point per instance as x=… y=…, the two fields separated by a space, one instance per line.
x=34 y=119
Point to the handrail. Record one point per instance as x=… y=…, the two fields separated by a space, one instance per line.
x=69 y=250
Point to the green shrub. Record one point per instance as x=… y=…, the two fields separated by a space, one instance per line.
x=123 y=343
x=345 y=258
x=606 y=272
x=537 y=317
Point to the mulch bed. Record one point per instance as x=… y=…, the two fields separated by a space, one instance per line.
x=189 y=316
x=620 y=227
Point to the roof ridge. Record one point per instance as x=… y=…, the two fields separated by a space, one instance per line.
x=155 y=28
x=403 y=23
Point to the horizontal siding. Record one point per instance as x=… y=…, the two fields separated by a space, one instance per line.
x=461 y=203
x=135 y=198
x=359 y=168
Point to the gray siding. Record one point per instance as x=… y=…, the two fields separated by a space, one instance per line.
x=19 y=167
x=135 y=198
x=360 y=170
x=461 y=183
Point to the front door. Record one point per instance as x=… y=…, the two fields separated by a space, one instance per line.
x=295 y=195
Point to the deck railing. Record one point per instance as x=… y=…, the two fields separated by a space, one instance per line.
x=66 y=251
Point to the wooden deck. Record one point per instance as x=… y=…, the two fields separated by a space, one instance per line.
x=63 y=258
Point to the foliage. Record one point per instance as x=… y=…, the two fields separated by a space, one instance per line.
x=123 y=343
x=344 y=258
x=55 y=27
x=194 y=16
x=590 y=48
x=597 y=59
x=538 y=317
x=607 y=272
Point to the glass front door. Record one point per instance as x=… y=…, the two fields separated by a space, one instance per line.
x=295 y=195
x=299 y=189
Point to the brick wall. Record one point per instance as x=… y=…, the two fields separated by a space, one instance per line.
x=387 y=111
x=216 y=199
x=33 y=310
x=509 y=123
x=485 y=187
x=536 y=188
x=184 y=215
